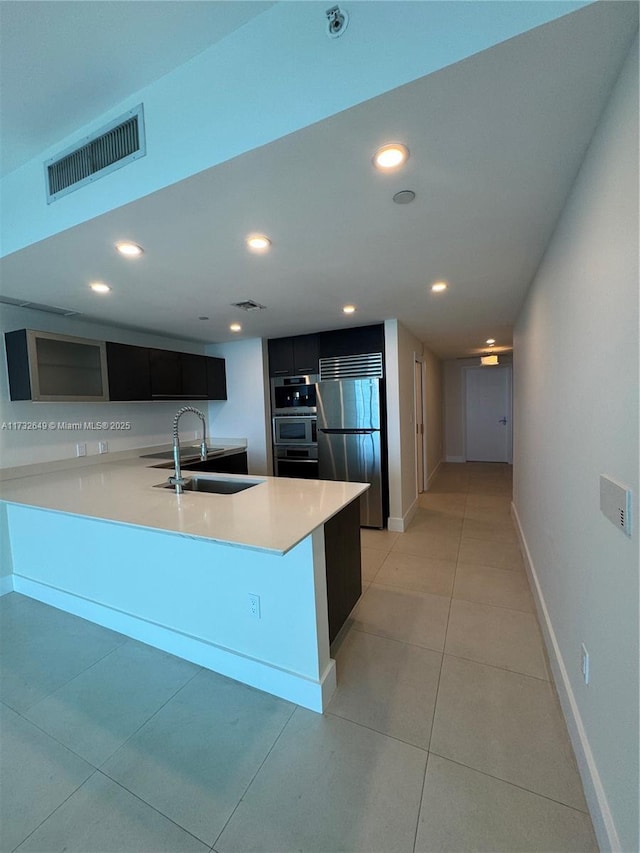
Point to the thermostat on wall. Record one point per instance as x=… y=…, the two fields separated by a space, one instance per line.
x=615 y=503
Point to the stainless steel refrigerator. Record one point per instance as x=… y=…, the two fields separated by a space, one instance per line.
x=349 y=440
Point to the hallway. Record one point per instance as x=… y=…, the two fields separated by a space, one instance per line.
x=110 y=746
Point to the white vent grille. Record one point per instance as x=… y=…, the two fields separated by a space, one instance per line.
x=37 y=306
x=120 y=142
x=352 y=367
x=248 y=305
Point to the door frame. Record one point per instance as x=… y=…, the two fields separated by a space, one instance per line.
x=509 y=413
x=419 y=419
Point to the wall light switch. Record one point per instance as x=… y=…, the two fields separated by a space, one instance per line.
x=103 y=447
x=615 y=503
x=81 y=449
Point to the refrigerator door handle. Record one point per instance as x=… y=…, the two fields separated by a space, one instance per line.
x=348 y=431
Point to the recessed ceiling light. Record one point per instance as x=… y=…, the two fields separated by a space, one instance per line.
x=439 y=286
x=235 y=327
x=100 y=287
x=491 y=340
x=258 y=243
x=129 y=250
x=391 y=156
x=349 y=309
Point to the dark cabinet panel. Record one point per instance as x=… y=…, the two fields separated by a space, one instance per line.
x=293 y=356
x=281 y=357
x=166 y=376
x=305 y=354
x=128 y=371
x=193 y=372
x=342 y=556
x=216 y=379
x=180 y=375
x=361 y=339
x=18 y=364
x=235 y=463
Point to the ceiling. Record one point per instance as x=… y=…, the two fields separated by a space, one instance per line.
x=63 y=63
x=496 y=142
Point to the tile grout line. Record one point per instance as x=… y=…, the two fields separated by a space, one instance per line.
x=375 y=731
x=150 y=805
x=437 y=693
x=508 y=782
x=424 y=782
x=77 y=675
x=148 y=720
x=251 y=781
x=84 y=782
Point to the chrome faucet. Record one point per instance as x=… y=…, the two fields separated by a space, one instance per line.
x=178 y=480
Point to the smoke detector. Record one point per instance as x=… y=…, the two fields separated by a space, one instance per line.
x=337 y=22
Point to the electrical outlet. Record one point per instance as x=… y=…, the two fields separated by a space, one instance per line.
x=103 y=447
x=81 y=449
x=254 y=605
x=585 y=663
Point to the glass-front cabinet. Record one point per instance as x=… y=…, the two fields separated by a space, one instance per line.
x=48 y=367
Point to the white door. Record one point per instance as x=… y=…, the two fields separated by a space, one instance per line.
x=488 y=414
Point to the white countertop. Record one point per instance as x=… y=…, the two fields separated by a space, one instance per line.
x=272 y=516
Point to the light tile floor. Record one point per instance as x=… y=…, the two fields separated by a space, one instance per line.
x=445 y=733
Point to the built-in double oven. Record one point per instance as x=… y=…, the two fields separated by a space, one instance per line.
x=295 y=439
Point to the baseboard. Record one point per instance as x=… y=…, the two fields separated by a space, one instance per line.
x=455 y=459
x=594 y=791
x=399 y=525
x=6 y=585
x=314 y=695
x=433 y=474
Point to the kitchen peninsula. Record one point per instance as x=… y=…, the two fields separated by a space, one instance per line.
x=236 y=583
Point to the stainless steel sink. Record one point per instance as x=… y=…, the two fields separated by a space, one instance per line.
x=212 y=486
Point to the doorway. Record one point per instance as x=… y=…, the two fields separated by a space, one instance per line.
x=489 y=434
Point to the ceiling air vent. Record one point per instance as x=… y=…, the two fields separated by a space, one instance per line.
x=37 y=306
x=113 y=146
x=249 y=305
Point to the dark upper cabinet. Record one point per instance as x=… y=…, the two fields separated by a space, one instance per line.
x=177 y=375
x=305 y=354
x=52 y=367
x=128 y=371
x=216 y=379
x=193 y=374
x=355 y=341
x=280 y=356
x=293 y=356
x=141 y=373
x=166 y=378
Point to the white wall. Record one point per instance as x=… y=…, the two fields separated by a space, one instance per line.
x=246 y=413
x=576 y=417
